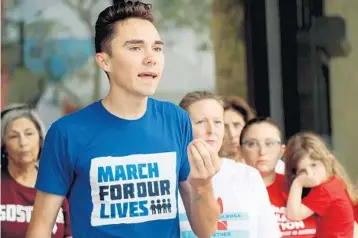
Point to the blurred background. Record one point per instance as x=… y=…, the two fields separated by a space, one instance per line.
x=293 y=60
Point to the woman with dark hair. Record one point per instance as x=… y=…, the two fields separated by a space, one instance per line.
x=262 y=146
x=22 y=134
x=237 y=114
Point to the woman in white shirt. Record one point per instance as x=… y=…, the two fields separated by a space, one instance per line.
x=245 y=206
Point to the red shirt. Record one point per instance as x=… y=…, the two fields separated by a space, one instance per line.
x=356 y=212
x=292 y=229
x=332 y=204
x=16 y=208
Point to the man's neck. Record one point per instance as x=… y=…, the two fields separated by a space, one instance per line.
x=125 y=105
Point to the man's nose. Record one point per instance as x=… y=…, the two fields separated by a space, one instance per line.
x=149 y=58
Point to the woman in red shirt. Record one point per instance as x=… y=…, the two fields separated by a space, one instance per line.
x=262 y=147
x=309 y=164
x=22 y=134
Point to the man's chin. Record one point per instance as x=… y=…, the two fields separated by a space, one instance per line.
x=147 y=93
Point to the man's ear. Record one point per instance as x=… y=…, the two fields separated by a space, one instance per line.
x=104 y=62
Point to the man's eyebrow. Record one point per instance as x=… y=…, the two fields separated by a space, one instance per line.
x=159 y=42
x=133 y=42
x=138 y=42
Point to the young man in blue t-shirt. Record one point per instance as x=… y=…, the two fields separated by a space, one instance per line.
x=122 y=160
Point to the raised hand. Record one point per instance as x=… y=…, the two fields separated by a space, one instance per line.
x=204 y=164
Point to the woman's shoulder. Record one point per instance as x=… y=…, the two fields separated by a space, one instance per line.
x=5 y=180
x=240 y=169
x=229 y=164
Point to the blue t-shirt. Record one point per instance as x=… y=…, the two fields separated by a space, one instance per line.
x=121 y=176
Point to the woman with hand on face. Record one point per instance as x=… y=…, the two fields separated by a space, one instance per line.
x=237 y=113
x=262 y=146
x=240 y=191
x=22 y=134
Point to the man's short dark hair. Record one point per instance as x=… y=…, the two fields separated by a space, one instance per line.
x=120 y=11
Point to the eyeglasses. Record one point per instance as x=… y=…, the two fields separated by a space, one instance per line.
x=255 y=145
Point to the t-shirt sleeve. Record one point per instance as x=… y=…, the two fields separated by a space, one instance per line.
x=187 y=137
x=268 y=226
x=66 y=214
x=56 y=171
x=318 y=200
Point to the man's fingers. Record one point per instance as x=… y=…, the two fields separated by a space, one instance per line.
x=215 y=158
x=206 y=155
x=193 y=167
x=204 y=162
x=197 y=160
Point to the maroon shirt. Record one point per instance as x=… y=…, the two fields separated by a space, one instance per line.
x=16 y=208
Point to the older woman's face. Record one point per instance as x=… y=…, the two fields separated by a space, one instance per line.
x=22 y=142
x=234 y=122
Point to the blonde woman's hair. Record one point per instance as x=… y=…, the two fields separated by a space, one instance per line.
x=308 y=143
x=196 y=96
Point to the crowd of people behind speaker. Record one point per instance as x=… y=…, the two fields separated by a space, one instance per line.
x=309 y=163
x=311 y=197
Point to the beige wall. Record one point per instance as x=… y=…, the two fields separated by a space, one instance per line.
x=344 y=90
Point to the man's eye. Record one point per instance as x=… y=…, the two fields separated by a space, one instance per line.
x=159 y=49
x=135 y=48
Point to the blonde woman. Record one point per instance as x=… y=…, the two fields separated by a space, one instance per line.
x=239 y=189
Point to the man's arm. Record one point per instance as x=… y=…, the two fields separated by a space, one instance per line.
x=202 y=209
x=199 y=163
x=44 y=215
x=197 y=192
x=54 y=178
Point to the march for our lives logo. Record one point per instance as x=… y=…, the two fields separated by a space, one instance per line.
x=133 y=189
